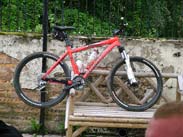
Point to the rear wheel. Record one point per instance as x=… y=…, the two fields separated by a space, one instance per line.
x=29 y=86
x=140 y=96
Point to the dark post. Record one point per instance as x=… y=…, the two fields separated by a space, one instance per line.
x=45 y=24
x=45 y=31
x=1 y=16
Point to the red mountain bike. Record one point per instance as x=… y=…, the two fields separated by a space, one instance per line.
x=134 y=77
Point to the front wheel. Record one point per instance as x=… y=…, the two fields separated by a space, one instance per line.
x=140 y=96
x=31 y=88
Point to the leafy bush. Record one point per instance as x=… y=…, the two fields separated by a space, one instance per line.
x=20 y=15
x=84 y=23
x=146 y=18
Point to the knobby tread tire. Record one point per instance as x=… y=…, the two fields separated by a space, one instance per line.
x=17 y=86
x=144 y=106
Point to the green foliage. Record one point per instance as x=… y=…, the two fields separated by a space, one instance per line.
x=20 y=15
x=86 y=24
x=61 y=127
x=36 y=128
x=146 y=18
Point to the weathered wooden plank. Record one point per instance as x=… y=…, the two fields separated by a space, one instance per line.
x=85 y=111
x=79 y=131
x=103 y=108
x=114 y=115
x=97 y=92
x=109 y=111
x=99 y=104
x=69 y=131
x=99 y=80
x=165 y=75
x=104 y=124
x=95 y=104
x=107 y=119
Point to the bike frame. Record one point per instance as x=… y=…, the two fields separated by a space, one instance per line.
x=110 y=43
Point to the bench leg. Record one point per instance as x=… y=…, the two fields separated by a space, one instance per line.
x=79 y=131
x=69 y=131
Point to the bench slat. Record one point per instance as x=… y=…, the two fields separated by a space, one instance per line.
x=107 y=119
x=114 y=111
x=108 y=124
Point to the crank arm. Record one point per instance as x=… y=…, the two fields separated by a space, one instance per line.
x=72 y=86
x=56 y=81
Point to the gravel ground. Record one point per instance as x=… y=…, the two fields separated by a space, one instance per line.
x=29 y=135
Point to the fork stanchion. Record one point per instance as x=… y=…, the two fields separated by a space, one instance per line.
x=43 y=95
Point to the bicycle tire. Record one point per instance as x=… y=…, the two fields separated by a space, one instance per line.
x=27 y=75
x=145 y=97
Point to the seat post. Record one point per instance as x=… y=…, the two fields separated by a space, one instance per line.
x=67 y=40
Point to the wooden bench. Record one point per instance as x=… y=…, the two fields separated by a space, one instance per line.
x=92 y=114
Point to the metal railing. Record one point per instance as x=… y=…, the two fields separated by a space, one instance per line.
x=156 y=18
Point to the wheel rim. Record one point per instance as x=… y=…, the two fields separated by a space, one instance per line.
x=28 y=82
x=145 y=94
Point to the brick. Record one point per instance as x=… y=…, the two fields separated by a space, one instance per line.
x=6 y=72
x=5 y=59
x=6 y=86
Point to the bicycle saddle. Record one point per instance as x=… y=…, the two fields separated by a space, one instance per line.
x=58 y=32
x=63 y=28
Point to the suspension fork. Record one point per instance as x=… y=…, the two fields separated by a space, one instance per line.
x=126 y=58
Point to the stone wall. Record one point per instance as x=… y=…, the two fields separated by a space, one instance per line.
x=14 y=111
x=167 y=55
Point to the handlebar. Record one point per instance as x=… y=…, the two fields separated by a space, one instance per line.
x=123 y=26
